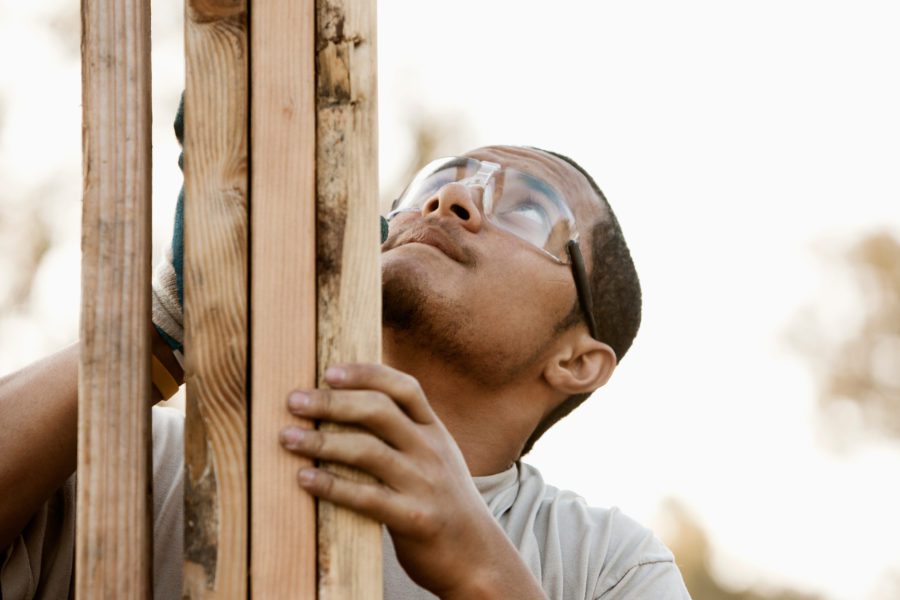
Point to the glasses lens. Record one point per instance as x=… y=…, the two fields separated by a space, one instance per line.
x=431 y=178
x=517 y=202
x=531 y=209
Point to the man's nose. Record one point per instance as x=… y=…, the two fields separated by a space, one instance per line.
x=456 y=201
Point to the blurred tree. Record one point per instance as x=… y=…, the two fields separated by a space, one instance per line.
x=889 y=586
x=65 y=24
x=24 y=241
x=860 y=371
x=691 y=547
x=24 y=236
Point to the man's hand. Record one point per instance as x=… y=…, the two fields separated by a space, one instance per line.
x=168 y=294
x=445 y=536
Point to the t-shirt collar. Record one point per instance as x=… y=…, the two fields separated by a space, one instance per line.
x=500 y=489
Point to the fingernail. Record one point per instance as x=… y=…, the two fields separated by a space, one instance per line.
x=306 y=476
x=335 y=374
x=298 y=400
x=292 y=435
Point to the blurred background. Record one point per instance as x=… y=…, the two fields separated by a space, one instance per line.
x=751 y=152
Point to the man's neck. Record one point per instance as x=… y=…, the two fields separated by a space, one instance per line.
x=489 y=425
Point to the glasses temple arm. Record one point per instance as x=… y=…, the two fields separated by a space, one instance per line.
x=583 y=287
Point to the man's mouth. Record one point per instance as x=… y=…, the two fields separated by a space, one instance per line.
x=436 y=238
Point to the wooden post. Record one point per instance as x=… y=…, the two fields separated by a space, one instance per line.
x=314 y=262
x=113 y=557
x=216 y=288
x=283 y=292
x=313 y=125
x=348 y=258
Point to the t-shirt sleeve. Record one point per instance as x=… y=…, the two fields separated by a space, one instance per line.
x=40 y=561
x=638 y=564
x=659 y=580
x=38 y=564
x=168 y=496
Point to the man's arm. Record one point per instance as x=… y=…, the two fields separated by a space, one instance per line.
x=39 y=404
x=38 y=435
x=39 y=432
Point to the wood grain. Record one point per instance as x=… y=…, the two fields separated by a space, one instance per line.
x=283 y=295
x=113 y=527
x=348 y=255
x=216 y=306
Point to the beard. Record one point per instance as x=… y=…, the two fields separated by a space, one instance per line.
x=439 y=327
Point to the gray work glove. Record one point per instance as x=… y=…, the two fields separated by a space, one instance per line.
x=168 y=277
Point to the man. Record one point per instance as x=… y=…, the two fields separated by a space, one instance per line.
x=490 y=335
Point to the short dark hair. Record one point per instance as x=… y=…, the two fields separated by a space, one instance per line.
x=617 y=296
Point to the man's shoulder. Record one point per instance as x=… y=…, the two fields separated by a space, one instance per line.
x=551 y=502
x=606 y=546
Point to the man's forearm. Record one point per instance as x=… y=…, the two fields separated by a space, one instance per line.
x=503 y=575
x=38 y=436
x=39 y=432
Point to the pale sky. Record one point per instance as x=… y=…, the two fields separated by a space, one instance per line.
x=734 y=140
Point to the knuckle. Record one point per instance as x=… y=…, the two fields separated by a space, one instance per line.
x=360 y=451
x=362 y=370
x=324 y=403
x=369 y=409
x=370 y=499
x=315 y=441
x=423 y=521
x=434 y=448
x=431 y=485
x=371 y=368
x=382 y=458
x=326 y=484
x=381 y=401
x=409 y=386
x=387 y=457
x=379 y=408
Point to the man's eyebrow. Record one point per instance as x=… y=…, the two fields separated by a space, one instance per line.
x=456 y=161
x=541 y=186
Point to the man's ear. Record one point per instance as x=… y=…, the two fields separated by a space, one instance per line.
x=582 y=364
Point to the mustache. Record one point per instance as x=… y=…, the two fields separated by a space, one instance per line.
x=442 y=236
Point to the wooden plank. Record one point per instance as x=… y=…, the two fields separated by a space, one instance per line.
x=113 y=545
x=348 y=271
x=216 y=288
x=283 y=300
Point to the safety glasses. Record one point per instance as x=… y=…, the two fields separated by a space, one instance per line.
x=516 y=202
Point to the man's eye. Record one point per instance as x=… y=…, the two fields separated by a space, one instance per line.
x=531 y=211
x=528 y=220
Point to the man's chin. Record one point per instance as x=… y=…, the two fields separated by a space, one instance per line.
x=414 y=309
x=402 y=298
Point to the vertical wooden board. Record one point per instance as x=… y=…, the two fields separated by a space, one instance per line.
x=113 y=527
x=216 y=289
x=283 y=300
x=348 y=255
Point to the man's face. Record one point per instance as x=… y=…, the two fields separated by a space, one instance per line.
x=472 y=294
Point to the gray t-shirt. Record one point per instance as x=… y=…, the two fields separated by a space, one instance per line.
x=40 y=561
x=575 y=551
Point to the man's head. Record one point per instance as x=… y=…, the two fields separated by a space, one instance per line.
x=495 y=309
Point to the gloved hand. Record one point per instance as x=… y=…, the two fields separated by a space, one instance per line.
x=168 y=277
x=168 y=297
